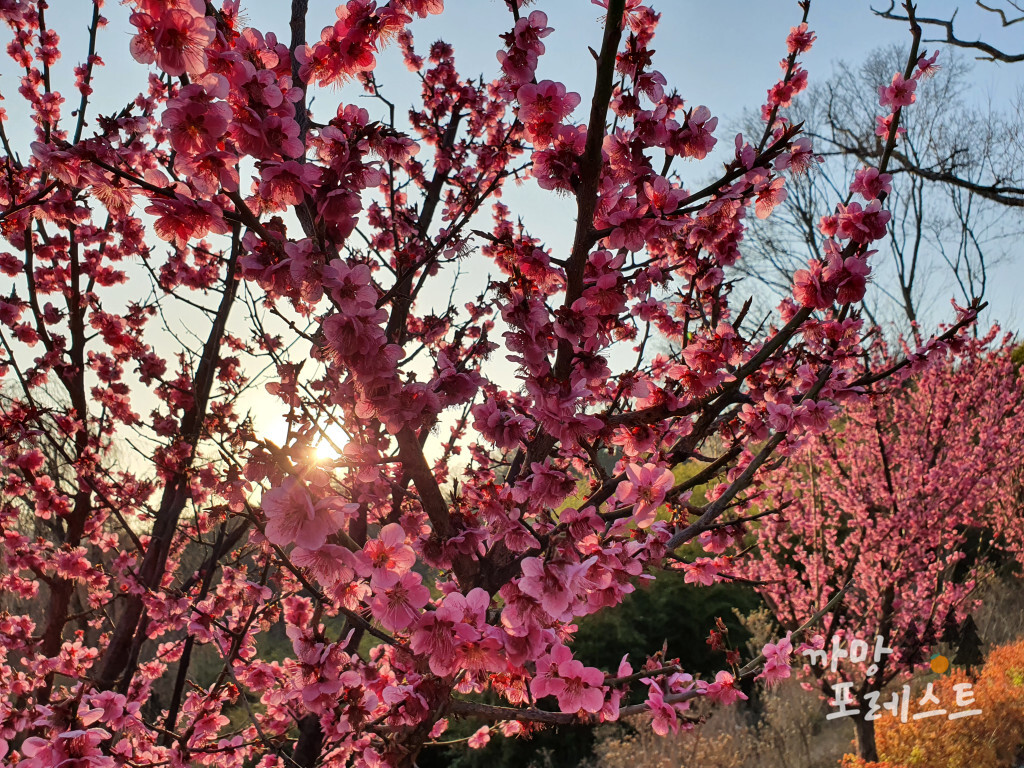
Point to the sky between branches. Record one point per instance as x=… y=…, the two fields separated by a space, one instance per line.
x=723 y=54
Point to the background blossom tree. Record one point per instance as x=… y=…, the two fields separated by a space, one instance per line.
x=426 y=558
x=891 y=497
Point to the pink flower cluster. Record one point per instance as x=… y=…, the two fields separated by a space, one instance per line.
x=519 y=61
x=853 y=227
x=443 y=552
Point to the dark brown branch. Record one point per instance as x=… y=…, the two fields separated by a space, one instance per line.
x=590 y=170
x=115 y=660
x=991 y=53
x=87 y=78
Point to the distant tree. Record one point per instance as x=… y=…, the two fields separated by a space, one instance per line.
x=968 y=650
x=1009 y=13
x=886 y=498
x=955 y=190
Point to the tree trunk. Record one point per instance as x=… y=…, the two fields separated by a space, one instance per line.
x=866 y=748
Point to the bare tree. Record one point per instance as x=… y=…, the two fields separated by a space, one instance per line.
x=950 y=195
x=1009 y=12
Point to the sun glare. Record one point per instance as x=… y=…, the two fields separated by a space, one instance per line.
x=329 y=445
x=325 y=451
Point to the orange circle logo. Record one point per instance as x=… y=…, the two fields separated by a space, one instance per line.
x=939 y=664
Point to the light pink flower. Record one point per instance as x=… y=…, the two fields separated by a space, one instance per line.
x=777 y=660
x=330 y=564
x=397 y=599
x=899 y=94
x=288 y=183
x=810 y=288
x=542 y=107
x=869 y=183
x=770 y=196
x=293 y=518
x=800 y=39
x=663 y=715
x=552 y=585
x=389 y=552
x=439 y=727
x=645 y=488
x=582 y=687
x=703 y=570
x=724 y=690
x=350 y=286
x=176 y=41
x=480 y=738
x=546 y=682
x=77 y=749
x=195 y=120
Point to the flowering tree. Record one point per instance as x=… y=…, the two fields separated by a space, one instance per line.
x=405 y=581
x=887 y=498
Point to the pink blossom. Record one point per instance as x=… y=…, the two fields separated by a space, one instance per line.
x=524 y=47
x=440 y=634
x=717 y=540
x=870 y=184
x=287 y=183
x=777 y=660
x=350 y=286
x=397 y=599
x=645 y=488
x=725 y=689
x=546 y=681
x=883 y=125
x=582 y=687
x=848 y=276
x=350 y=335
x=552 y=585
x=179 y=220
x=799 y=158
x=439 y=727
x=663 y=715
x=800 y=39
x=480 y=737
x=504 y=428
x=423 y=8
x=330 y=564
x=557 y=167
x=209 y=172
x=695 y=139
x=293 y=518
x=631 y=227
x=703 y=570
x=542 y=107
x=196 y=120
x=811 y=289
x=770 y=196
x=815 y=415
x=899 y=94
x=773 y=672
x=389 y=552
x=926 y=66
x=78 y=748
x=176 y=41
x=345 y=48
